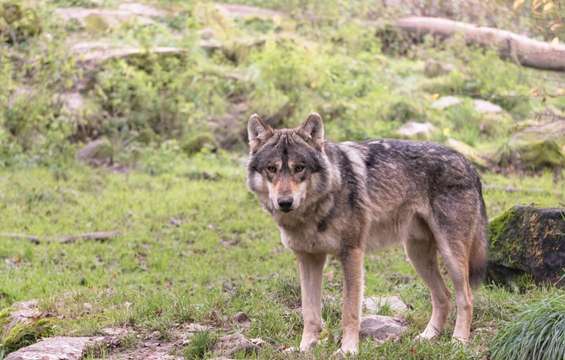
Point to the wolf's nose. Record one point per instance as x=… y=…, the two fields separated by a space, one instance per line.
x=285 y=203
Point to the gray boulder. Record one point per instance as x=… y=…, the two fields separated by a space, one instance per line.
x=57 y=348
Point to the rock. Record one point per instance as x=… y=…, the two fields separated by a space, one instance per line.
x=446 y=101
x=23 y=312
x=230 y=344
x=416 y=130
x=142 y=9
x=382 y=328
x=531 y=240
x=434 y=68
x=482 y=106
x=18 y=22
x=57 y=348
x=73 y=102
x=247 y=12
x=535 y=147
x=469 y=152
x=206 y=34
x=101 y=19
x=242 y=319
x=22 y=324
x=374 y=304
x=94 y=53
x=97 y=153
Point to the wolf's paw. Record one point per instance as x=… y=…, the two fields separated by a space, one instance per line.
x=429 y=333
x=344 y=354
x=308 y=344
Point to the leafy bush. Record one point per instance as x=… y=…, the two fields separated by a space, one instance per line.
x=158 y=99
x=538 y=333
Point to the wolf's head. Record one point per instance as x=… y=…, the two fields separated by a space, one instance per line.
x=288 y=168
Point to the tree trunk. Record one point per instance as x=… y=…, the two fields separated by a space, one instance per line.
x=523 y=50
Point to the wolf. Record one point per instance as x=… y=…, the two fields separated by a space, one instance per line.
x=345 y=199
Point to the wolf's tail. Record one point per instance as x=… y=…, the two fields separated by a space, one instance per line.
x=478 y=255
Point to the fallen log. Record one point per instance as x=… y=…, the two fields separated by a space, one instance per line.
x=525 y=51
x=65 y=239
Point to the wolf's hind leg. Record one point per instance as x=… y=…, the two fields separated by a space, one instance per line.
x=422 y=253
x=311 y=268
x=454 y=245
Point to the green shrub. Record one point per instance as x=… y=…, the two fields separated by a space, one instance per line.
x=538 y=333
x=200 y=345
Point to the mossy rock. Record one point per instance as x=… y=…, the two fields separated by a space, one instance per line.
x=22 y=324
x=18 y=23
x=535 y=148
x=529 y=240
x=469 y=152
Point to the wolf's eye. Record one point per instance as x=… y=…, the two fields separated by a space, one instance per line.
x=272 y=169
x=298 y=168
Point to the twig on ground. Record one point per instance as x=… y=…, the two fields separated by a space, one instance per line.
x=65 y=239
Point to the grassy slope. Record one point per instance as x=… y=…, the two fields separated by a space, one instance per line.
x=224 y=257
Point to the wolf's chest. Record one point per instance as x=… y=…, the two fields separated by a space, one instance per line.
x=309 y=239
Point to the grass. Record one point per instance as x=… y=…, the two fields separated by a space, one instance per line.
x=197 y=250
x=194 y=245
x=538 y=333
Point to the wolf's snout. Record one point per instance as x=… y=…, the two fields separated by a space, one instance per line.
x=285 y=203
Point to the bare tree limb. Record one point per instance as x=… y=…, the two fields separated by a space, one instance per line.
x=66 y=239
x=526 y=51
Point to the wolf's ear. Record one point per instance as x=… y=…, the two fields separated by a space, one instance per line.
x=257 y=131
x=313 y=129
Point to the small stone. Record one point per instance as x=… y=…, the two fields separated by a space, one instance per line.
x=97 y=153
x=435 y=68
x=374 y=304
x=416 y=130
x=87 y=307
x=206 y=34
x=242 y=319
x=484 y=107
x=382 y=328
x=230 y=344
x=446 y=101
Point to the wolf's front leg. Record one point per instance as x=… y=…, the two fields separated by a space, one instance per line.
x=311 y=268
x=352 y=261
